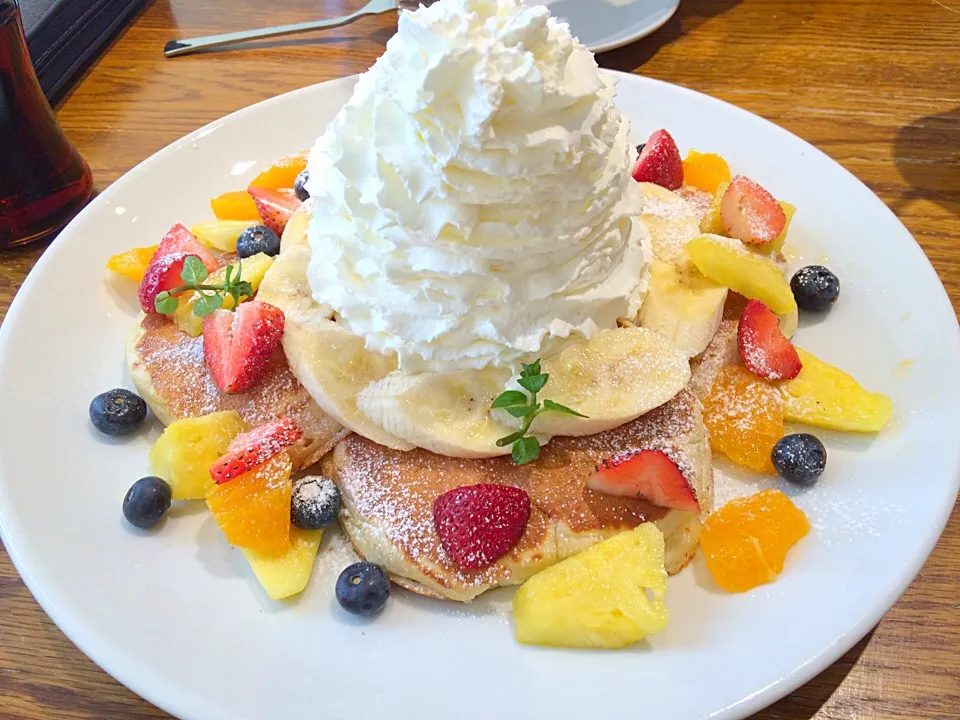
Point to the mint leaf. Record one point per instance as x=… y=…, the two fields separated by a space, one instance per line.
x=533 y=383
x=526 y=450
x=227 y=272
x=241 y=289
x=207 y=304
x=551 y=405
x=194 y=271
x=509 y=398
x=531 y=369
x=523 y=411
x=165 y=303
x=512 y=437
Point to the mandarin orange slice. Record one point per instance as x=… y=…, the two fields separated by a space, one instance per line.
x=705 y=171
x=746 y=541
x=235 y=205
x=282 y=174
x=132 y=263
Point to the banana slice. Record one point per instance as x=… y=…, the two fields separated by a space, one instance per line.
x=684 y=307
x=295 y=233
x=671 y=222
x=446 y=413
x=330 y=362
x=615 y=377
x=788 y=323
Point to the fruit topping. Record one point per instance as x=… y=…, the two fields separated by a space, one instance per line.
x=746 y=541
x=252 y=449
x=827 y=397
x=712 y=222
x=258 y=239
x=660 y=162
x=188 y=447
x=162 y=275
x=238 y=345
x=699 y=200
x=479 y=524
x=221 y=234
x=609 y=596
x=744 y=416
x=750 y=213
x=315 y=503
x=763 y=348
x=731 y=264
x=363 y=589
x=288 y=573
x=132 y=264
x=245 y=280
x=147 y=500
x=283 y=173
x=275 y=207
x=800 y=458
x=815 y=288
x=299 y=186
x=253 y=510
x=705 y=171
x=652 y=474
x=235 y=205
x=181 y=240
x=117 y=412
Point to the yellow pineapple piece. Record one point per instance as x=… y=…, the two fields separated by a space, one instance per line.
x=599 y=598
x=221 y=234
x=731 y=264
x=288 y=573
x=187 y=448
x=777 y=245
x=827 y=397
x=254 y=268
x=712 y=222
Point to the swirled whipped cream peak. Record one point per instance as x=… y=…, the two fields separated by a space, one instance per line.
x=474 y=200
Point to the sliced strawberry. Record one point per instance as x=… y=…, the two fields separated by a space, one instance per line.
x=275 y=206
x=181 y=240
x=252 y=449
x=652 y=474
x=479 y=524
x=763 y=347
x=238 y=345
x=660 y=162
x=751 y=214
x=163 y=273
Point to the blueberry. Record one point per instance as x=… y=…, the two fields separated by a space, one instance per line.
x=147 y=500
x=258 y=239
x=815 y=288
x=363 y=588
x=799 y=458
x=298 y=185
x=640 y=148
x=315 y=502
x=117 y=412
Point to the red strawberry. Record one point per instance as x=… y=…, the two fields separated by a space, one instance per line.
x=252 y=449
x=275 y=206
x=660 y=162
x=163 y=273
x=654 y=475
x=181 y=240
x=479 y=524
x=764 y=349
x=238 y=345
x=750 y=213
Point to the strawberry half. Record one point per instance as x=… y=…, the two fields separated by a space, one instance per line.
x=275 y=206
x=479 y=524
x=649 y=474
x=163 y=273
x=751 y=214
x=238 y=345
x=763 y=347
x=252 y=449
x=660 y=162
x=181 y=240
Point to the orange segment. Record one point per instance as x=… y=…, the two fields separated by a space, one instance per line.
x=253 y=509
x=132 y=263
x=235 y=205
x=744 y=415
x=746 y=541
x=705 y=171
x=282 y=173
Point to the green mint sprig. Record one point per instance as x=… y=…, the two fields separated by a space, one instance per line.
x=521 y=405
x=210 y=296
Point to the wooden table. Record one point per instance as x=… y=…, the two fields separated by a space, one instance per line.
x=874 y=83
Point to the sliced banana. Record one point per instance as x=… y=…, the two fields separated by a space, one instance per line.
x=295 y=233
x=684 y=307
x=446 y=413
x=671 y=222
x=788 y=323
x=613 y=378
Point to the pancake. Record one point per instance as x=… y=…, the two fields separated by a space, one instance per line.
x=388 y=501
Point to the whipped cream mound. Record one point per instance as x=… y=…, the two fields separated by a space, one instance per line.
x=474 y=199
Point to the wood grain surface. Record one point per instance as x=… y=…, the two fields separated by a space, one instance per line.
x=873 y=83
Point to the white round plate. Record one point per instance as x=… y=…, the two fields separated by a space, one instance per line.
x=176 y=616
x=607 y=24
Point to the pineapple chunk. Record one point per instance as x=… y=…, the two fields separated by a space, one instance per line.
x=599 y=598
x=187 y=448
x=254 y=268
x=712 y=222
x=288 y=573
x=788 y=210
x=825 y=396
x=731 y=264
x=221 y=234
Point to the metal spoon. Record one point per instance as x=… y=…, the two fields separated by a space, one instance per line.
x=374 y=7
